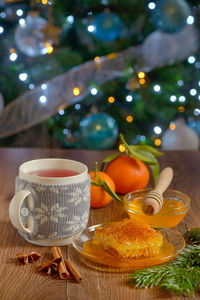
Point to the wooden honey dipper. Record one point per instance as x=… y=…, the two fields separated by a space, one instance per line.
x=153 y=201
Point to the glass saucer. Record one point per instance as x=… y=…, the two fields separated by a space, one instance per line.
x=94 y=255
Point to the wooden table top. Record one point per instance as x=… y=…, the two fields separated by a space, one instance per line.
x=25 y=282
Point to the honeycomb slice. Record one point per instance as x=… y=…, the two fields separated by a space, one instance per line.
x=130 y=238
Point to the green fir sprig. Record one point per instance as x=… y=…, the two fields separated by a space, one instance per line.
x=180 y=276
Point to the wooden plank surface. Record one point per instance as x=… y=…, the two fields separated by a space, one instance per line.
x=25 y=282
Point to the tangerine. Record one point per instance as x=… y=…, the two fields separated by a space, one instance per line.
x=128 y=174
x=99 y=197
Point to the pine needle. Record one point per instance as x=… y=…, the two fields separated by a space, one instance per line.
x=180 y=276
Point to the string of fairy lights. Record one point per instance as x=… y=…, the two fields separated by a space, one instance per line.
x=94 y=90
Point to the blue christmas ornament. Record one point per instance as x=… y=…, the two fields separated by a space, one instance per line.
x=170 y=15
x=107 y=26
x=195 y=124
x=99 y=131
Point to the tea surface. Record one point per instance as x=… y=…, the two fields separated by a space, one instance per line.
x=54 y=173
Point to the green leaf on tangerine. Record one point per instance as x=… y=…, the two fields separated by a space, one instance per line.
x=155 y=168
x=108 y=159
x=131 y=152
x=148 y=148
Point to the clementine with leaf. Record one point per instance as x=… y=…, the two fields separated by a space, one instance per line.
x=101 y=189
x=128 y=174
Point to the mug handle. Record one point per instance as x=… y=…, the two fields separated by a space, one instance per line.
x=15 y=208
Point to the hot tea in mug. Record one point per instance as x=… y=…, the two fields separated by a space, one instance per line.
x=52 y=201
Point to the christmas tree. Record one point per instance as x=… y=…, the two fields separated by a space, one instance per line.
x=87 y=70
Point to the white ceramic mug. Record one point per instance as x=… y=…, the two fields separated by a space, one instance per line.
x=48 y=211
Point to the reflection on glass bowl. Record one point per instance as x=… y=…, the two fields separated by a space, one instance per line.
x=175 y=206
x=94 y=255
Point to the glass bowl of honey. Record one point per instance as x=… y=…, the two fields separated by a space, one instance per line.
x=175 y=207
x=94 y=255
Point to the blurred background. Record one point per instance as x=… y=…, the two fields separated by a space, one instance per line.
x=75 y=74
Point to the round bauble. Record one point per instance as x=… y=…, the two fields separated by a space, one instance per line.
x=107 y=26
x=181 y=138
x=161 y=48
x=98 y=131
x=158 y=47
x=29 y=38
x=170 y=15
x=194 y=124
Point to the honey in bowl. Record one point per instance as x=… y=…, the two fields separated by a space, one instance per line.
x=175 y=206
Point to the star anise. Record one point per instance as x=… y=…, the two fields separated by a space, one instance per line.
x=26 y=258
x=51 y=266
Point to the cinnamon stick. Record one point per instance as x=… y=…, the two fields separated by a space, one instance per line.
x=64 y=274
x=72 y=269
